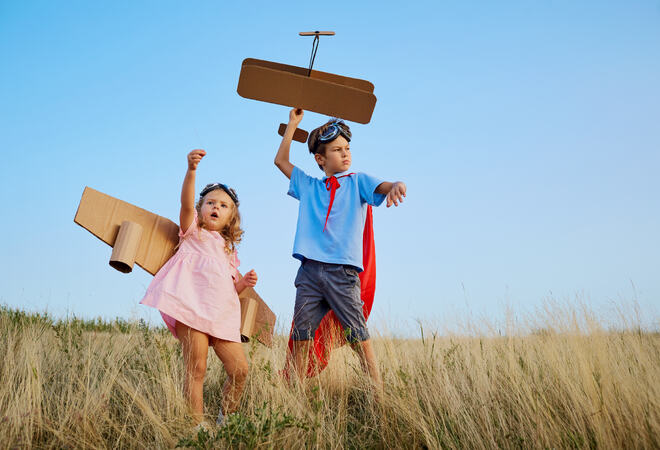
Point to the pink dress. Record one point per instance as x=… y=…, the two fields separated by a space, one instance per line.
x=196 y=286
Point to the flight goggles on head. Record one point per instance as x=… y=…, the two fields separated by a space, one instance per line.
x=213 y=186
x=335 y=129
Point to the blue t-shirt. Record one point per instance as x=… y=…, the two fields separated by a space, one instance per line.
x=341 y=242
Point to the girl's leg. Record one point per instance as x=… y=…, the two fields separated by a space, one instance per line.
x=195 y=348
x=233 y=358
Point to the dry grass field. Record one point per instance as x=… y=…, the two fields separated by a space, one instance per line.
x=558 y=380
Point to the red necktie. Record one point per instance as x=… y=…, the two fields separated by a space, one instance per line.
x=332 y=184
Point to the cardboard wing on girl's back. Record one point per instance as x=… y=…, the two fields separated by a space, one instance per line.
x=329 y=334
x=142 y=237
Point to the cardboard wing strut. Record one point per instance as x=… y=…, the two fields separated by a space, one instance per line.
x=149 y=240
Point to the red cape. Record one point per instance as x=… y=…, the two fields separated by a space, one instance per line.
x=329 y=334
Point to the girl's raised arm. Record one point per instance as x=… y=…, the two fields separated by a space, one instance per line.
x=188 y=190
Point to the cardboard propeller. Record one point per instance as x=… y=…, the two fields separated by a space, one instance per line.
x=311 y=90
x=142 y=237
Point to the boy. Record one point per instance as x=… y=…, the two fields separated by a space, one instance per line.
x=329 y=237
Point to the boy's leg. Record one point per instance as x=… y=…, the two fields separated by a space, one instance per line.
x=307 y=314
x=195 y=348
x=301 y=357
x=369 y=363
x=343 y=293
x=233 y=358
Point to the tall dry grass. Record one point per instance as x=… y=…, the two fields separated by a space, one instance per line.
x=559 y=380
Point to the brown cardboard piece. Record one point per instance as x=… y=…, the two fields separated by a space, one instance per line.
x=248 y=315
x=103 y=216
x=299 y=135
x=320 y=92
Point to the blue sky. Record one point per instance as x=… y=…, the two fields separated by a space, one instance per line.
x=527 y=133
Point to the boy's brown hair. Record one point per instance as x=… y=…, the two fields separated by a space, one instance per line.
x=313 y=143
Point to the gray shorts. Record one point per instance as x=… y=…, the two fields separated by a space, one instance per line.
x=321 y=287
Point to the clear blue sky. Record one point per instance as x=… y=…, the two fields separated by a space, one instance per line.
x=527 y=132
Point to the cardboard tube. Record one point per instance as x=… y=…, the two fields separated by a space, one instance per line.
x=249 y=308
x=126 y=246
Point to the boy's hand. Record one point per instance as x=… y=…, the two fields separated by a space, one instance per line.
x=295 y=116
x=396 y=194
x=194 y=157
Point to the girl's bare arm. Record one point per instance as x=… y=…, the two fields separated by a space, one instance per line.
x=188 y=190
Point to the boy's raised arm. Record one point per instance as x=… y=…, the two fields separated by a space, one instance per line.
x=282 y=157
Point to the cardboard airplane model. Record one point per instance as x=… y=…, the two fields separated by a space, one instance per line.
x=139 y=236
x=311 y=90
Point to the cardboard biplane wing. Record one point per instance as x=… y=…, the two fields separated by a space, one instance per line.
x=320 y=92
x=142 y=237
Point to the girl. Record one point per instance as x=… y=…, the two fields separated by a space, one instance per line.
x=197 y=290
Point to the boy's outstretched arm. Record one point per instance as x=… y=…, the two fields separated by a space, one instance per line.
x=394 y=191
x=282 y=158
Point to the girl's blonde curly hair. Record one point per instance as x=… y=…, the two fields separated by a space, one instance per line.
x=232 y=232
